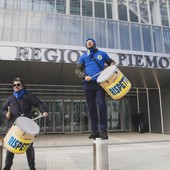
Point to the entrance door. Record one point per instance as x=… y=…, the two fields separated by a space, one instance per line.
x=67 y=115
x=113 y=115
x=49 y=120
x=59 y=121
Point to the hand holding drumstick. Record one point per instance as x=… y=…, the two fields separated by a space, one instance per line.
x=8 y=114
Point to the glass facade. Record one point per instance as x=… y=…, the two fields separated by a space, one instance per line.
x=71 y=115
x=117 y=24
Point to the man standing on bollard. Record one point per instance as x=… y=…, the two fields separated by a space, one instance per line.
x=92 y=63
x=20 y=104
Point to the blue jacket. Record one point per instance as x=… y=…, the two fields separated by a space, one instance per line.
x=86 y=65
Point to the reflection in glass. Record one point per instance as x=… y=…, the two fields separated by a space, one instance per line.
x=113 y=39
x=87 y=8
x=58 y=116
x=164 y=13
x=136 y=37
x=122 y=10
x=158 y=42
x=124 y=36
x=166 y=38
x=147 y=38
x=100 y=31
x=99 y=10
x=143 y=11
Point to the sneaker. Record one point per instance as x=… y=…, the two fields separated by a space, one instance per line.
x=103 y=135
x=94 y=135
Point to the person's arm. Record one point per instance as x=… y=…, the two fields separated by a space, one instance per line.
x=110 y=62
x=6 y=110
x=79 y=71
x=40 y=105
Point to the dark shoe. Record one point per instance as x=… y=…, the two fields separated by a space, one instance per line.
x=103 y=135
x=94 y=134
x=7 y=168
x=32 y=168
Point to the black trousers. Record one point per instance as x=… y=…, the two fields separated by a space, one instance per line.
x=30 y=157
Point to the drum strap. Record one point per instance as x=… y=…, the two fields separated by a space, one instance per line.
x=97 y=63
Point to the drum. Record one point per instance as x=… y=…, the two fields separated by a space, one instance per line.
x=114 y=82
x=21 y=135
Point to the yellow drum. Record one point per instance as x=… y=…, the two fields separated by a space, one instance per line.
x=114 y=82
x=21 y=135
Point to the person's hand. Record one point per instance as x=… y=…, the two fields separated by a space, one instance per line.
x=8 y=115
x=113 y=63
x=45 y=114
x=88 y=78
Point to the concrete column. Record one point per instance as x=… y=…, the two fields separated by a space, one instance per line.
x=100 y=154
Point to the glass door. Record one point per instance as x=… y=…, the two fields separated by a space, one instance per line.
x=67 y=115
x=49 y=120
x=59 y=121
x=113 y=115
x=85 y=116
x=77 y=123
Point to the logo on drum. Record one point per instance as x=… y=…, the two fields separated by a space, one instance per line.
x=17 y=144
x=120 y=86
x=99 y=57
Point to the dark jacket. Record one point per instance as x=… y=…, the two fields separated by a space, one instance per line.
x=22 y=106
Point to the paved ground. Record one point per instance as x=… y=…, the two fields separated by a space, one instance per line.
x=127 y=151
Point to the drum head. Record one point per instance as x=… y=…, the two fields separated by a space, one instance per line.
x=106 y=74
x=27 y=125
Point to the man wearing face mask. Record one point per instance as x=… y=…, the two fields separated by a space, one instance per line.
x=91 y=63
x=20 y=104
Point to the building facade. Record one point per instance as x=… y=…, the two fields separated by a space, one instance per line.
x=41 y=41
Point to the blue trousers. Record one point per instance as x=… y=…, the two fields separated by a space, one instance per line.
x=97 y=108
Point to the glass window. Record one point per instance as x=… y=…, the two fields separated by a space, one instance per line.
x=109 y=11
x=99 y=10
x=48 y=32
x=48 y=6
x=75 y=31
x=143 y=11
x=61 y=6
x=19 y=26
x=113 y=39
x=34 y=27
x=22 y=5
x=133 y=11
x=157 y=39
x=164 y=13
x=87 y=8
x=122 y=10
x=136 y=37
x=34 y=5
x=166 y=35
x=75 y=7
x=147 y=38
x=2 y=18
x=7 y=4
x=124 y=36
x=87 y=28
x=100 y=32
x=7 y=25
x=62 y=29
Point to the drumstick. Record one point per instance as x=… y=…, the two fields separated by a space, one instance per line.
x=38 y=117
x=96 y=74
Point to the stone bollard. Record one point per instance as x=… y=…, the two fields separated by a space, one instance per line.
x=100 y=154
x=1 y=153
